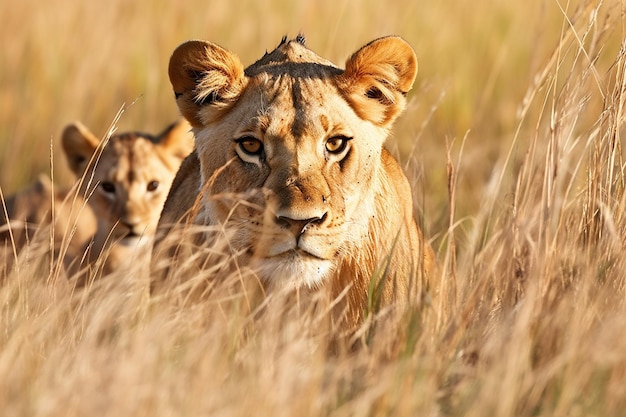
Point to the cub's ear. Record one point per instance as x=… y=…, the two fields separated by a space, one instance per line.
x=177 y=139
x=79 y=144
x=206 y=79
x=377 y=78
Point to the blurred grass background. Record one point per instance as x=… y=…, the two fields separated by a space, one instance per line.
x=65 y=60
x=518 y=107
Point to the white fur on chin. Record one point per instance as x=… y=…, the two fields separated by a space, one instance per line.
x=293 y=269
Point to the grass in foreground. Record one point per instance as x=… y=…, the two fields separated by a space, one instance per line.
x=527 y=320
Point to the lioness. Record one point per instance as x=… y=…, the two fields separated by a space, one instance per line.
x=125 y=183
x=289 y=156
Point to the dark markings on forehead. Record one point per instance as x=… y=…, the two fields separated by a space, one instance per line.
x=263 y=122
x=133 y=136
x=299 y=95
x=294 y=59
x=128 y=140
x=273 y=94
x=291 y=68
x=302 y=100
x=131 y=162
x=299 y=122
x=324 y=122
x=295 y=69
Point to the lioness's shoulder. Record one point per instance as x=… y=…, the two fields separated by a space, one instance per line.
x=185 y=187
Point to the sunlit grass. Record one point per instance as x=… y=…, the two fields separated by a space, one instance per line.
x=512 y=138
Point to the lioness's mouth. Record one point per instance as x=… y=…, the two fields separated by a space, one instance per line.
x=298 y=253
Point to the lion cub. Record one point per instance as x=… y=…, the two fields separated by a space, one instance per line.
x=125 y=183
x=43 y=214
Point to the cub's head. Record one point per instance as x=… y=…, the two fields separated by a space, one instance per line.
x=290 y=148
x=126 y=179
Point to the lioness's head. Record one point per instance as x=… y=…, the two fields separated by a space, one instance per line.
x=290 y=154
x=127 y=180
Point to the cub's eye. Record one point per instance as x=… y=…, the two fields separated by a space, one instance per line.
x=337 y=144
x=250 y=145
x=108 y=187
x=152 y=185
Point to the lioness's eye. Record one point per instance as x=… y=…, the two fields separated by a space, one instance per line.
x=337 y=144
x=250 y=145
x=152 y=185
x=108 y=187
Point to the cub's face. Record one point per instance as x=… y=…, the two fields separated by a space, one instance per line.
x=128 y=180
x=290 y=148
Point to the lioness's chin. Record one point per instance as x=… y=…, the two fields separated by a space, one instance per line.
x=293 y=269
x=135 y=241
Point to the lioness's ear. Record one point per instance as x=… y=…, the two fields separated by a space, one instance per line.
x=79 y=144
x=206 y=79
x=377 y=78
x=177 y=139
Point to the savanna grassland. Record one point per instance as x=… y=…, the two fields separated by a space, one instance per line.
x=511 y=138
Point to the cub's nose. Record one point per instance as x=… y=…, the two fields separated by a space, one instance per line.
x=298 y=226
x=131 y=225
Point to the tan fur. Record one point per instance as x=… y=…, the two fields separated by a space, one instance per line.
x=305 y=212
x=38 y=206
x=126 y=183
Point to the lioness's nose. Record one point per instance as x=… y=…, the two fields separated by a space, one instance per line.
x=299 y=226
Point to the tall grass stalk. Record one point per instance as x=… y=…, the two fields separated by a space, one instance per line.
x=525 y=316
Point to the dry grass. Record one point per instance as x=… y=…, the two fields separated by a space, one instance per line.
x=512 y=138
